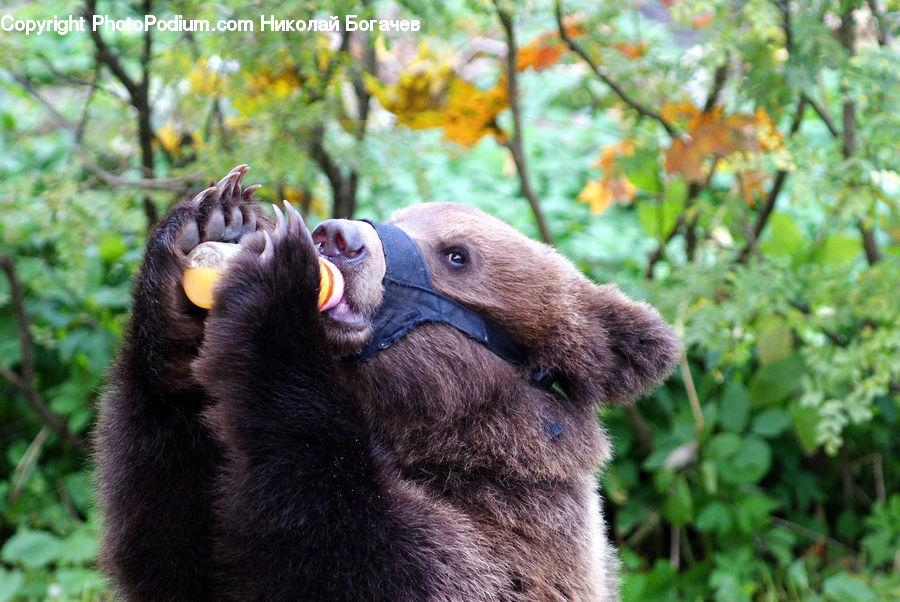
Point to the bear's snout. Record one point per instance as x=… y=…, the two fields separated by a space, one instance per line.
x=340 y=240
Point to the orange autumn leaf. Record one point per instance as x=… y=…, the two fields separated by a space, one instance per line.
x=612 y=185
x=600 y=194
x=609 y=154
x=437 y=97
x=471 y=114
x=711 y=136
x=751 y=184
x=680 y=111
x=632 y=51
x=545 y=50
x=538 y=55
x=701 y=20
x=596 y=195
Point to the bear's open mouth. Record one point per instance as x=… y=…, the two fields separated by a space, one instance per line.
x=346 y=316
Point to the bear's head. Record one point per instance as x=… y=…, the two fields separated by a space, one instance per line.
x=597 y=344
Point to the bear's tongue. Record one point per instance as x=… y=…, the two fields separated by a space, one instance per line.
x=342 y=313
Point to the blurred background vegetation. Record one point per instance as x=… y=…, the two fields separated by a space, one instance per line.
x=733 y=163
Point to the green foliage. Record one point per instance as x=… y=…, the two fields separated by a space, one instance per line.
x=776 y=481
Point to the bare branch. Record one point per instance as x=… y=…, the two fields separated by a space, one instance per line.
x=719 y=78
x=514 y=143
x=179 y=184
x=762 y=217
x=884 y=34
x=870 y=246
x=847 y=37
x=660 y=250
x=25 y=381
x=105 y=55
x=641 y=428
x=94 y=84
x=811 y=534
x=694 y=189
x=616 y=88
x=138 y=91
x=823 y=115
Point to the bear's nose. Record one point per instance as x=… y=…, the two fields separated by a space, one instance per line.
x=339 y=239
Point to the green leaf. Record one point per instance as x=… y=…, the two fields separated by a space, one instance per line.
x=114 y=297
x=771 y=422
x=10 y=582
x=10 y=349
x=676 y=193
x=658 y=218
x=837 y=250
x=723 y=445
x=110 y=248
x=714 y=516
x=735 y=407
x=679 y=506
x=774 y=382
x=798 y=574
x=710 y=475
x=753 y=512
x=76 y=582
x=728 y=588
x=784 y=238
x=642 y=170
x=774 y=340
x=79 y=489
x=806 y=423
x=751 y=462
x=79 y=547
x=31 y=549
x=843 y=587
x=8 y=120
x=656 y=459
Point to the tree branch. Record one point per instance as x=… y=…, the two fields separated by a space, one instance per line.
x=719 y=78
x=24 y=382
x=762 y=217
x=694 y=189
x=105 y=55
x=515 y=140
x=847 y=37
x=884 y=34
x=826 y=119
x=812 y=534
x=660 y=250
x=641 y=428
x=616 y=88
x=137 y=91
x=179 y=184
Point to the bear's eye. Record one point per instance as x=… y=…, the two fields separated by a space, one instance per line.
x=456 y=257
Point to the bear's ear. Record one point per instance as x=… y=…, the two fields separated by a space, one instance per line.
x=617 y=349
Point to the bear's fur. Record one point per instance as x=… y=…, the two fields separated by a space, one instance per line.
x=239 y=459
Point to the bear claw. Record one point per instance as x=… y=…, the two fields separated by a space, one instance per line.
x=235 y=225
x=189 y=237
x=221 y=212
x=268 y=251
x=215 y=225
x=202 y=195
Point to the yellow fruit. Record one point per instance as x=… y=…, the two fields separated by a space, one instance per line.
x=209 y=260
x=198 y=283
x=205 y=265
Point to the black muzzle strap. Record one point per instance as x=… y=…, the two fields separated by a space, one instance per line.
x=410 y=300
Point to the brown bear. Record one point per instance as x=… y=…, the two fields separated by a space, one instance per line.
x=432 y=437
